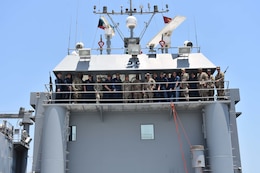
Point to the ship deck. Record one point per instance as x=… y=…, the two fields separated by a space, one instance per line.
x=183 y=105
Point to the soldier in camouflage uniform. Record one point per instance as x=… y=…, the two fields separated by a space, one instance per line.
x=149 y=86
x=137 y=90
x=156 y=94
x=68 y=87
x=185 y=84
x=211 y=85
x=127 y=87
x=203 y=87
x=98 y=88
x=219 y=83
x=77 y=87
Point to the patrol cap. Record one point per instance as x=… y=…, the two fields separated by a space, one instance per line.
x=208 y=70
x=182 y=69
x=147 y=74
x=217 y=67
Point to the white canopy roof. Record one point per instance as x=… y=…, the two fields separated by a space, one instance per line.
x=118 y=62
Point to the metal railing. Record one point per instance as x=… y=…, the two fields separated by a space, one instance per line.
x=135 y=93
x=143 y=50
x=7 y=129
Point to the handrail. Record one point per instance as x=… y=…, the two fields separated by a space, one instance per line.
x=136 y=93
x=143 y=50
x=7 y=129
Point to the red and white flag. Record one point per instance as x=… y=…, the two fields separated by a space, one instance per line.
x=166 y=19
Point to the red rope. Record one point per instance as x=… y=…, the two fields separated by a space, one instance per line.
x=179 y=137
x=184 y=131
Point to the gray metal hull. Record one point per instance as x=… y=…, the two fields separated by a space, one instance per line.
x=108 y=137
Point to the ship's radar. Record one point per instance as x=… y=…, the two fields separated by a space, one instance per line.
x=79 y=45
x=131 y=22
x=188 y=43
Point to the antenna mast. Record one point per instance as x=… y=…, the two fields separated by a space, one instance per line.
x=196 y=36
x=131 y=43
x=130 y=12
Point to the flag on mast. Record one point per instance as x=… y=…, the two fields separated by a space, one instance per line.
x=101 y=24
x=104 y=24
x=166 y=19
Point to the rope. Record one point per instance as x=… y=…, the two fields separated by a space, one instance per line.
x=184 y=131
x=179 y=137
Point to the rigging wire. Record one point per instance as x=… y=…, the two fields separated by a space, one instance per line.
x=95 y=36
x=69 y=36
x=196 y=36
x=76 y=22
x=146 y=26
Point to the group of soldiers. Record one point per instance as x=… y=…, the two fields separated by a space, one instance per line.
x=208 y=83
x=69 y=88
x=154 y=88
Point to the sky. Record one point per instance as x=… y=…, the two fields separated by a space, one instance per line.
x=35 y=36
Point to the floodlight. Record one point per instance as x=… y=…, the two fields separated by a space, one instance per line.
x=28 y=140
x=184 y=50
x=85 y=53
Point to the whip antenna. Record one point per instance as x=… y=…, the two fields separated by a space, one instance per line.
x=196 y=37
x=69 y=38
x=77 y=22
x=226 y=69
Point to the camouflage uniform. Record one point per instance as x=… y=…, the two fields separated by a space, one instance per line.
x=136 y=88
x=77 y=87
x=185 y=84
x=98 y=88
x=127 y=87
x=203 y=79
x=149 y=86
x=210 y=85
x=219 y=83
x=68 y=87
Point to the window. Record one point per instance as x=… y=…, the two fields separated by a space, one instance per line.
x=147 y=131
x=72 y=133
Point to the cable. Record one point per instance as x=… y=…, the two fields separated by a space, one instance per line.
x=184 y=131
x=179 y=137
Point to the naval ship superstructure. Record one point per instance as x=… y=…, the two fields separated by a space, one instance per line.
x=100 y=131
x=15 y=142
